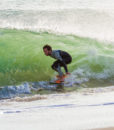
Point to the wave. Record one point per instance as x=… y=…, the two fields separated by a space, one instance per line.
x=22 y=57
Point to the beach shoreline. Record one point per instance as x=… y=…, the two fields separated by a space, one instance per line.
x=83 y=110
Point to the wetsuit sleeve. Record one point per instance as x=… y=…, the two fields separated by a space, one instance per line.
x=58 y=56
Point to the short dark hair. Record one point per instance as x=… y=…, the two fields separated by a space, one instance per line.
x=48 y=47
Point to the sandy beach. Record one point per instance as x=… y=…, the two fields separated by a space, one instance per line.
x=81 y=110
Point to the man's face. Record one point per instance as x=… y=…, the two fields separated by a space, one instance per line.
x=47 y=52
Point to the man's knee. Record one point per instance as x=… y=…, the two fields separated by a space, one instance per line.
x=55 y=65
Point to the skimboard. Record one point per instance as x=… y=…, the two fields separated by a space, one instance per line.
x=58 y=82
x=53 y=82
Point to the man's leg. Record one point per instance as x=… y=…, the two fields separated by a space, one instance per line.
x=67 y=61
x=56 y=67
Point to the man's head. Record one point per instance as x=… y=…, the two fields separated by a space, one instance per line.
x=47 y=50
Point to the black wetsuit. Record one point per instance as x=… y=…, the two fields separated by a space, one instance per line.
x=63 y=58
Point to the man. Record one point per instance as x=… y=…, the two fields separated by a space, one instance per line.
x=62 y=59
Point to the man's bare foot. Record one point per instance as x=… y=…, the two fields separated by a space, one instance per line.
x=63 y=76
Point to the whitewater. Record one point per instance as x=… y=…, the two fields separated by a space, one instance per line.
x=83 y=28
x=72 y=17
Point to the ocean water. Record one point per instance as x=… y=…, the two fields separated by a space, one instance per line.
x=84 y=29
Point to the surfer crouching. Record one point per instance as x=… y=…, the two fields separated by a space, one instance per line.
x=62 y=59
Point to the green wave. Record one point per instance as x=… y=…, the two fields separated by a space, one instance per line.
x=22 y=57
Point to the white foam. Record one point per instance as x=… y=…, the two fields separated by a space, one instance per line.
x=88 y=18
